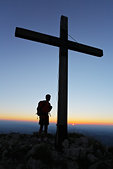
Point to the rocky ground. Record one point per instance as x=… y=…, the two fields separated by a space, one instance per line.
x=25 y=151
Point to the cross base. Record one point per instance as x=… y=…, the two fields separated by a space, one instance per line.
x=61 y=135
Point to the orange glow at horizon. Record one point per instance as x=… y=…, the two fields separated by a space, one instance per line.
x=77 y=122
x=90 y=122
x=28 y=119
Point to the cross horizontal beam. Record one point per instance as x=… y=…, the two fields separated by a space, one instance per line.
x=55 y=41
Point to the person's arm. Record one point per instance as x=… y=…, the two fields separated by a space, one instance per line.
x=50 y=107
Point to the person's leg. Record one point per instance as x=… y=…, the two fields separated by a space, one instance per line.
x=46 y=124
x=45 y=129
x=41 y=128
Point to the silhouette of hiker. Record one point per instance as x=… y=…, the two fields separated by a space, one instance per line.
x=43 y=109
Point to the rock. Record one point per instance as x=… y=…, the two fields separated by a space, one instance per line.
x=84 y=141
x=23 y=151
x=101 y=165
x=4 y=153
x=20 y=166
x=65 y=144
x=33 y=164
x=72 y=153
x=82 y=153
x=90 y=149
x=81 y=141
x=2 y=167
x=91 y=158
x=14 y=136
x=35 y=140
x=99 y=153
x=0 y=146
x=33 y=150
x=72 y=165
x=55 y=155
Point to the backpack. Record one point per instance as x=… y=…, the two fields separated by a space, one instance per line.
x=39 y=108
x=38 y=112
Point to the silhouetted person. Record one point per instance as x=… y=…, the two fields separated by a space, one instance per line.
x=43 y=109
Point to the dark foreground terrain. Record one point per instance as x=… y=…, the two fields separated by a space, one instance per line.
x=27 y=151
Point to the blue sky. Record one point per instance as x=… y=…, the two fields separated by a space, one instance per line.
x=29 y=70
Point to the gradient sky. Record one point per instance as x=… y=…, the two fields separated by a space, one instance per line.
x=29 y=70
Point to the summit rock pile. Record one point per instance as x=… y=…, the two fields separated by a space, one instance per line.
x=25 y=151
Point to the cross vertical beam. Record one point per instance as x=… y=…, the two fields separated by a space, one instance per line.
x=62 y=85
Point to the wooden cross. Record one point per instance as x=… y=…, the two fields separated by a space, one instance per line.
x=64 y=44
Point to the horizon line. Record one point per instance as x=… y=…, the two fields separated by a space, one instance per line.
x=69 y=123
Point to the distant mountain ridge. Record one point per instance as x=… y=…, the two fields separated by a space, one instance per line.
x=100 y=132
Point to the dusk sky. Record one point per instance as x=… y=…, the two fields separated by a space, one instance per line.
x=29 y=70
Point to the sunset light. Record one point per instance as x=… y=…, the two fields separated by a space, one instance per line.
x=73 y=123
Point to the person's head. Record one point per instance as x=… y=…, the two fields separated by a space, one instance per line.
x=48 y=97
